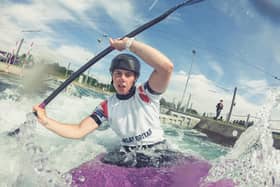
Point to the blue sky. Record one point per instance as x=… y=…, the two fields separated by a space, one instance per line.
x=236 y=42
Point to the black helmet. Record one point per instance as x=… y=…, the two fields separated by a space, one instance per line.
x=126 y=62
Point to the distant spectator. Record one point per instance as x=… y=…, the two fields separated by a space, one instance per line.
x=219 y=108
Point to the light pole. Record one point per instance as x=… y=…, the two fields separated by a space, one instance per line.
x=14 y=54
x=87 y=77
x=188 y=103
x=186 y=85
x=28 y=50
x=68 y=68
x=232 y=104
x=18 y=49
x=99 y=40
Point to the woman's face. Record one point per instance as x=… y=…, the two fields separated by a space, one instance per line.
x=123 y=80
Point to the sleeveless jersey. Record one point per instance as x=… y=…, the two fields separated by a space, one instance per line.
x=134 y=120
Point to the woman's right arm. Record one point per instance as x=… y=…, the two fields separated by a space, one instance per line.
x=74 y=131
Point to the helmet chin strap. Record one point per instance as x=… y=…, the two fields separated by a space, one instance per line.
x=130 y=93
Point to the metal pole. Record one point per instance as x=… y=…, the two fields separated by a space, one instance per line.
x=68 y=68
x=247 y=120
x=186 y=85
x=87 y=76
x=232 y=104
x=18 y=49
x=99 y=40
x=188 y=103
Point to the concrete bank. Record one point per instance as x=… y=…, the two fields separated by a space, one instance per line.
x=226 y=134
x=10 y=69
x=182 y=121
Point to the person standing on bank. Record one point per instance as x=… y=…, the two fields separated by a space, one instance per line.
x=219 y=108
x=133 y=111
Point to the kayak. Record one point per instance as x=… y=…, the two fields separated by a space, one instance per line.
x=189 y=172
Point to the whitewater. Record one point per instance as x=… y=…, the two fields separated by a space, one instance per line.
x=38 y=157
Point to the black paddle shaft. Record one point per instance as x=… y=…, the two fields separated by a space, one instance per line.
x=110 y=49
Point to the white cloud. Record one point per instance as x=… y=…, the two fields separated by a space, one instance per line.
x=122 y=12
x=10 y=33
x=236 y=9
x=263 y=41
x=40 y=15
x=74 y=53
x=254 y=86
x=37 y=15
x=78 y=6
x=205 y=95
x=217 y=68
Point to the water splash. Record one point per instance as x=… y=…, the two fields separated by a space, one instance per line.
x=253 y=161
x=37 y=157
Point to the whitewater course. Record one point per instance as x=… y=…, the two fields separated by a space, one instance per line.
x=37 y=157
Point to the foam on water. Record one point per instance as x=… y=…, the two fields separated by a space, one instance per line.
x=192 y=142
x=253 y=161
x=25 y=159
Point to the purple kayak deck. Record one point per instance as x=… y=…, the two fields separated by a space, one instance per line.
x=190 y=172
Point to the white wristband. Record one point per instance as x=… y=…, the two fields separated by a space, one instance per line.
x=129 y=43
